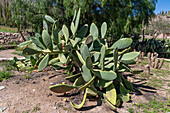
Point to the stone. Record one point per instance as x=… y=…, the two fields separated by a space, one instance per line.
x=50 y=94
x=33 y=90
x=2 y=109
x=2 y=87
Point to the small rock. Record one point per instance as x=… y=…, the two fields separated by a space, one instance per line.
x=33 y=90
x=52 y=83
x=16 y=82
x=50 y=94
x=2 y=87
x=2 y=109
x=54 y=107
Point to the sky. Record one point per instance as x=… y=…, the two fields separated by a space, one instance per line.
x=162 y=5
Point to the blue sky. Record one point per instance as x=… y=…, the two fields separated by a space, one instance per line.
x=162 y=5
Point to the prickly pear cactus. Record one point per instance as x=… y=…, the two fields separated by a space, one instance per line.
x=100 y=66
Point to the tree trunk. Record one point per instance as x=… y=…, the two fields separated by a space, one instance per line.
x=143 y=35
x=3 y=13
x=22 y=35
x=163 y=36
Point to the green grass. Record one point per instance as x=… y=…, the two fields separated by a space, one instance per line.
x=26 y=76
x=36 y=108
x=166 y=64
x=160 y=72
x=157 y=77
x=155 y=82
x=154 y=106
x=8 y=29
x=18 y=51
x=6 y=72
x=131 y=110
x=3 y=48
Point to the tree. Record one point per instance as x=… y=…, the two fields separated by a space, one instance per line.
x=5 y=13
x=160 y=24
x=30 y=13
x=122 y=16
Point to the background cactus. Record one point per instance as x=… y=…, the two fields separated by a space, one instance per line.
x=154 y=62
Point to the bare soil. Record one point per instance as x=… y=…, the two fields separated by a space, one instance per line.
x=8 y=54
x=33 y=95
x=23 y=94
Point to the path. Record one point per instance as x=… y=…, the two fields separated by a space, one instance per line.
x=8 y=55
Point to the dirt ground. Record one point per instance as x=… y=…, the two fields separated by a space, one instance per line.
x=22 y=95
x=8 y=54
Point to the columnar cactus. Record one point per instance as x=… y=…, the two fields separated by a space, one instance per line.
x=154 y=62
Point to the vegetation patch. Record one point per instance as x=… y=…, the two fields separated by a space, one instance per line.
x=8 y=29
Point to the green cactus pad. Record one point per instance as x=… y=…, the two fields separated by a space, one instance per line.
x=72 y=27
x=80 y=57
x=129 y=61
x=59 y=64
x=96 y=45
x=105 y=75
x=84 y=52
x=76 y=41
x=38 y=36
x=124 y=95
x=74 y=17
x=61 y=88
x=96 y=56
x=122 y=43
x=89 y=64
x=73 y=77
x=62 y=58
x=103 y=29
x=47 y=40
x=82 y=32
x=94 y=30
x=129 y=56
x=86 y=74
x=49 y=18
x=77 y=21
x=89 y=40
x=45 y=25
x=102 y=51
x=92 y=91
x=22 y=45
x=30 y=51
x=109 y=66
x=33 y=61
x=87 y=84
x=128 y=85
x=111 y=94
x=65 y=33
x=79 y=82
x=38 y=43
x=80 y=105
x=115 y=59
x=55 y=33
x=102 y=83
x=53 y=61
x=43 y=63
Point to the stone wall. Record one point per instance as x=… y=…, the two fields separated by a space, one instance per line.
x=8 y=38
